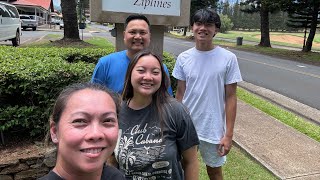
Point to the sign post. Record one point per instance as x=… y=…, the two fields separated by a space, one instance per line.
x=166 y=8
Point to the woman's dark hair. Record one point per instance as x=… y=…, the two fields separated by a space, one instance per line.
x=65 y=95
x=205 y=16
x=160 y=97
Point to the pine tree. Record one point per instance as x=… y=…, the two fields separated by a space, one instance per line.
x=304 y=14
x=199 y=4
x=264 y=7
x=278 y=21
x=235 y=18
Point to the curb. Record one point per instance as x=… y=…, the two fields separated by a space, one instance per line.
x=52 y=30
x=255 y=159
x=309 y=113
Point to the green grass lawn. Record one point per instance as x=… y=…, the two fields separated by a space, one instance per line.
x=239 y=167
x=255 y=35
x=50 y=41
x=99 y=42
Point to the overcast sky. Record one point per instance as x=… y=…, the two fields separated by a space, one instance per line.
x=56 y=2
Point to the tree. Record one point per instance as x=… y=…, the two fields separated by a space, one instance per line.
x=235 y=18
x=226 y=24
x=225 y=8
x=278 y=21
x=264 y=7
x=304 y=14
x=82 y=7
x=70 y=20
x=199 y=4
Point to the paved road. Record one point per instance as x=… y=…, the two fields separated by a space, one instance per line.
x=29 y=36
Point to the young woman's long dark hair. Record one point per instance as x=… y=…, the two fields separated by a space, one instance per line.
x=160 y=97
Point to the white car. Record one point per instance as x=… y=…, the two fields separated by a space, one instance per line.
x=28 y=22
x=55 y=21
x=10 y=26
x=39 y=19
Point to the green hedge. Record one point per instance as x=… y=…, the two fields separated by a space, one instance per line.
x=31 y=78
x=169 y=60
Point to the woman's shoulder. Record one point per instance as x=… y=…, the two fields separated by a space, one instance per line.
x=51 y=176
x=175 y=106
x=110 y=172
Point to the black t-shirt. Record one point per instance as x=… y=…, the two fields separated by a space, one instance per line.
x=108 y=173
x=148 y=149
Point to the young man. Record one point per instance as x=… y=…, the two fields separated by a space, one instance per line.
x=110 y=71
x=207 y=82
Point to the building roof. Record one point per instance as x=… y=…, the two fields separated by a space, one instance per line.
x=42 y=3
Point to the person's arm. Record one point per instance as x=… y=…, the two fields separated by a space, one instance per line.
x=181 y=88
x=170 y=91
x=99 y=73
x=190 y=163
x=231 y=110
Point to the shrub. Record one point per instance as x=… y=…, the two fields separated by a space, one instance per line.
x=31 y=78
x=169 y=61
x=226 y=23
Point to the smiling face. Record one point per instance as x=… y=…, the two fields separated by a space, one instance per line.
x=146 y=76
x=86 y=133
x=136 y=35
x=204 y=32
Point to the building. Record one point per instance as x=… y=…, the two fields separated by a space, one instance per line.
x=40 y=9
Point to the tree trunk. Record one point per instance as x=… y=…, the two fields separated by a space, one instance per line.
x=70 y=20
x=313 y=27
x=185 y=31
x=265 y=34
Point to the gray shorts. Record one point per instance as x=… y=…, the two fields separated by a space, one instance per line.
x=210 y=156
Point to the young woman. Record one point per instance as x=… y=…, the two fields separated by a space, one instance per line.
x=158 y=139
x=84 y=127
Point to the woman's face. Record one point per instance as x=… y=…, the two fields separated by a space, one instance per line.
x=87 y=132
x=146 y=76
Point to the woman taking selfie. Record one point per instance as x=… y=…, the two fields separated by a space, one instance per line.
x=84 y=128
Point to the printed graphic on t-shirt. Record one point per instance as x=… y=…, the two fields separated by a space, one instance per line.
x=141 y=153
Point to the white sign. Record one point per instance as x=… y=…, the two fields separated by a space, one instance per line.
x=155 y=7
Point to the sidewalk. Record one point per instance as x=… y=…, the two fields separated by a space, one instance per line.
x=287 y=153
x=49 y=27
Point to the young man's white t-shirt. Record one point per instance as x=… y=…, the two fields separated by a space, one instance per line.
x=206 y=73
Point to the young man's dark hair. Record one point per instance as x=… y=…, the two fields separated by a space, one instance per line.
x=135 y=17
x=205 y=16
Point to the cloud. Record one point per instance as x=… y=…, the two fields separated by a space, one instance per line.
x=57 y=2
